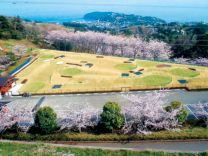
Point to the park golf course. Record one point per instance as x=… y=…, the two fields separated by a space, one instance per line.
x=68 y=72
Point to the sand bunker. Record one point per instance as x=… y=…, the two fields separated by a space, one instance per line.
x=48 y=60
x=60 y=62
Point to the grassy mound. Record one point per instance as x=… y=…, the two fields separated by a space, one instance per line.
x=34 y=86
x=147 y=63
x=154 y=80
x=46 y=56
x=126 y=66
x=71 y=72
x=184 y=72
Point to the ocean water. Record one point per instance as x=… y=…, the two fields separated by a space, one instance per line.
x=70 y=10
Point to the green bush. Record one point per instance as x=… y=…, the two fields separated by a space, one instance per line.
x=45 y=120
x=168 y=108
x=12 y=56
x=182 y=116
x=111 y=117
x=176 y=104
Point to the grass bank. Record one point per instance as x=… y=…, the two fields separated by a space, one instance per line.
x=18 y=149
x=195 y=133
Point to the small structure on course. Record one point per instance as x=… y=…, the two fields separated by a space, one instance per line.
x=182 y=81
x=89 y=65
x=138 y=73
x=125 y=74
x=6 y=84
x=57 y=86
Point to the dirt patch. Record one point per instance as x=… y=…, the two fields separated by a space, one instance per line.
x=127 y=62
x=141 y=70
x=24 y=81
x=193 y=69
x=66 y=76
x=74 y=64
x=163 y=66
x=61 y=56
x=83 y=61
x=99 y=56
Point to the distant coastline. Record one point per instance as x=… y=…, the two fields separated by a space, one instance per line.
x=46 y=11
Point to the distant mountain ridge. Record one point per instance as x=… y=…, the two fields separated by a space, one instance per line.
x=123 y=19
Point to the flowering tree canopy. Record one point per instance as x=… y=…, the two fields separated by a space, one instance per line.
x=146 y=113
x=106 y=44
x=79 y=119
x=22 y=118
x=201 y=111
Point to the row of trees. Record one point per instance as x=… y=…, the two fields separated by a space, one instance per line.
x=11 y=28
x=100 y=43
x=198 y=61
x=142 y=115
x=186 y=40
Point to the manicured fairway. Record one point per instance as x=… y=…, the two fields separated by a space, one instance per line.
x=184 y=72
x=126 y=66
x=73 y=73
x=155 y=80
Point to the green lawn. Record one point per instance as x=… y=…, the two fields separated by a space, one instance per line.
x=125 y=66
x=71 y=72
x=17 y=149
x=147 y=63
x=184 y=72
x=155 y=80
x=35 y=86
x=47 y=56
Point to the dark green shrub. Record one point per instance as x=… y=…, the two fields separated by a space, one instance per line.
x=176 y=104
x=111 y=117
x=45 y=121
x=12 y=56
x=183 y=115
x=168 y=108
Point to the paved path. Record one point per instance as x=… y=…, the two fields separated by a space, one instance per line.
x=183 y=146
x=199 y=146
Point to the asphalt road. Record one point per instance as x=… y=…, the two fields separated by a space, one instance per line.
x=187 y=147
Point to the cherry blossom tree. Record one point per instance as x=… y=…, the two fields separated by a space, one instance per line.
x=201 y=111
x=79 y=119
x=100 y=43
x=197 y=61
x=202 y=61
x=146 y=113
x=157 y=50
x=22 y=118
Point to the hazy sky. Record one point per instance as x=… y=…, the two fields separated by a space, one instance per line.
x=179 y=3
